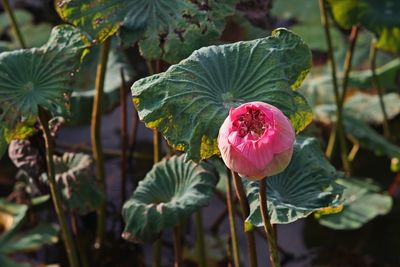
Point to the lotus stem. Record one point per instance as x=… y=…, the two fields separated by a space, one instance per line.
x=55 y=193
x=96 y=141
x=200 y=247
x=339 y=123
x=376 y=84
x=272 y=244
x=244 y=205
x=124 y=137
x=177 y=247
x=232 y=222
x=347 y=62
x=11 y=16
x=353 y=152
x=81 y=248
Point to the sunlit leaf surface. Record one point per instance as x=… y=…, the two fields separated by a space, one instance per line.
x=189 y=102
x=305 y=186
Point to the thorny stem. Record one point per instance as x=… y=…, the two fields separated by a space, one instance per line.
x=339 y=123
x=177 y=246
x=200 y=247
x=124 y=137
x=55 y=193
x=96 y=141
x=10 y=13
x=244 y=205
x=232 y=222
x=375 y=81
x=272 y=244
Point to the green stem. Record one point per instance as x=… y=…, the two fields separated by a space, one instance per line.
x=96 y=141
x=353 y=152
x=244 y=205
x=376 y=84
x=177 y=247
x=55 y=193
x=200 y=247
x=124 y=137
x=272 y=244
x=347 y=62
x=232 y=222
x=339 y=123
x=156 y=261
x=10 y=13
x=75 y=230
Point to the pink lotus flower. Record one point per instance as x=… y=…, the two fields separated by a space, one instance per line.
x=256 y=140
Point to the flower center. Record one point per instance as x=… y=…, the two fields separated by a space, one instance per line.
x=252 y=122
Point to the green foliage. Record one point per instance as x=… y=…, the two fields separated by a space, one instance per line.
x=11 y=218
x=387 y=76
x=171 y=191
x=168 y=29
x=76 y=182
x=307 y=185
x=359 y=132
x=198 y=92
x=378 y=16
x=39 y=76
x=362 y=201
x=84 y=86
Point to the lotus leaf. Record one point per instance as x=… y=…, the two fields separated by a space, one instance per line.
x=198 y=92
x=172 y=190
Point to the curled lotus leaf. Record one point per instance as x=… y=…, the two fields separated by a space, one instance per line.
x=172 y=190
x=167 y=29
x=39 y=76
x=198 y=93
x=307 y=185
x=362 y=202
x=76 y=182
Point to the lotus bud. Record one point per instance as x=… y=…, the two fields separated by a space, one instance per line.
x=256 y=140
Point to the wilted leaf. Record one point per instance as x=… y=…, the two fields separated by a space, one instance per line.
x=198 y=92
x=77 y=182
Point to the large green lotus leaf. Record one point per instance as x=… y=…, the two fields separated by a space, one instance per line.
x=171 y=191
x=387 y=76
x=305 y=186
x=84 y=87
x=76 y=182
x=366 y=107
x=39 y=76
x=362 y=201
x=31 y=240
x=189 y=102
x=167 y=29
x=359 y=131
x=378 y=16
